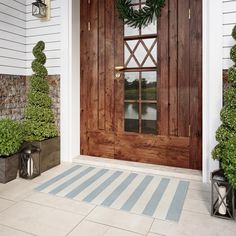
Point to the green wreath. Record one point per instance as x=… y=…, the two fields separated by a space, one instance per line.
x=141 y=17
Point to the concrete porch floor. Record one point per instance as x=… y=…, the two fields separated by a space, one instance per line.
x=26 y=212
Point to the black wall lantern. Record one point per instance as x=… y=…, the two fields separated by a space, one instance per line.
x=41 y=9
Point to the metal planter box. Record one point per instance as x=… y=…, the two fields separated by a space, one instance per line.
x=49 y=153
x=8 y=168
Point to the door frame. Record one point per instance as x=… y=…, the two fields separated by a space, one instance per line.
x=212 y=80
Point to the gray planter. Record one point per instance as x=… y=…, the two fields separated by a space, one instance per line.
x=49 y=154
x=8 y=168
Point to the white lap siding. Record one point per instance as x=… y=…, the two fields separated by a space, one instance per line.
x=12 y=37
x=229 y=21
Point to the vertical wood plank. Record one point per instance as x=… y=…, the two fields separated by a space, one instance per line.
x=163 y=61
x=101 y=65
x=183 y=68
x=119 y=83
x=84 y=57
x=196 y=84
x=109 y=61
x=173 y=67
x=92 y=92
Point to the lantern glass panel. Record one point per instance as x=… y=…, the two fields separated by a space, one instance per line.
x=35 y=9
x=39 y=9
x=43 y=10
x=30 y=163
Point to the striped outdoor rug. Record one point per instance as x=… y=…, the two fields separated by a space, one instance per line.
x=150 y=195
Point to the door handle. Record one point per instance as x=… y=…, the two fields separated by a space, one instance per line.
x=118 y=70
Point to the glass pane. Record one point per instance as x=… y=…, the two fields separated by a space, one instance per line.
x=149 y=42
x=130 y=31
x=132 y=44
x=140 y=53
x=149 y=85
x=149 y=63
x=131 y=117
x=130 y=47
x=134 y=1
x=150 y=29
x=149 y=118
x=132 y=63
x=154 y=52
x=131 y=86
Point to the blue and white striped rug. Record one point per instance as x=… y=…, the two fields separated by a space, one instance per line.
x=150 y=195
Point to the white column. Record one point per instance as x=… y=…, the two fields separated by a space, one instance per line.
x=70 y=79
x=212 y=80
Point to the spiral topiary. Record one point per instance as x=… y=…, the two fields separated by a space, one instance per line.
x=39 y=121
x=225 y=151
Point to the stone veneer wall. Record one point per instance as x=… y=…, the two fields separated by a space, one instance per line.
x=13 y=90
x=12 y=96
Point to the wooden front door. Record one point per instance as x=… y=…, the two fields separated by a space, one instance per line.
x=150 y=111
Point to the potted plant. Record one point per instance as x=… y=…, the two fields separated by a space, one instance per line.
x=225 y=151
x=39 y=125
x=11 y=139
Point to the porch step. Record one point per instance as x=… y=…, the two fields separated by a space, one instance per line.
x=140 y=167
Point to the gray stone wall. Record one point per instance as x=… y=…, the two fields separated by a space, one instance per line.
x=12 y=96
x=13 y=90
x=54 y=93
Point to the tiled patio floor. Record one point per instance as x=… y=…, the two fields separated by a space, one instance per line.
x=23 y=211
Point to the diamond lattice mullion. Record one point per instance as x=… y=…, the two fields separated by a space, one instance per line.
x=152 y=58
x=148 y=52
x=132 y=53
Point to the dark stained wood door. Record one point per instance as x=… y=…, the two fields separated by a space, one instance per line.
x=151 y=110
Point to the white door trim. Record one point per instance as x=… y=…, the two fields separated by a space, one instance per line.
x=212 y=80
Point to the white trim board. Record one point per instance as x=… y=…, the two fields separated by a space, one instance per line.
x=212 y=81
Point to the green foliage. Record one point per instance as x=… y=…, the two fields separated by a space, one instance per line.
x=39 y=69
x=39 y=119
x=39 y=99
x=225 y=151
x=228 y=117
x=11 y=137
x=232 y=75
x=228 y=161
x=230 y=97
x=39 y=131
x=217 y=152
x=141 y=17
x=38 y=53
x=223 y=134
x=40 y=114
x=39 y=85
x=234 y=32
x=233 y=53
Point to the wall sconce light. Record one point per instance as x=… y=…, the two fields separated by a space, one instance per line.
x=41 y=9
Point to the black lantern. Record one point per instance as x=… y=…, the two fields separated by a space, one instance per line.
x=39 y=9
x=222 y=196
x=30 y=162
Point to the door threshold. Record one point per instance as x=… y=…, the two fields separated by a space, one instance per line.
x=180 y=173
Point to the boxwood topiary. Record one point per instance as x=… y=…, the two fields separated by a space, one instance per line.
x=233 y=53
x=225 y=151
x=11 y=137
x=228 y=161
x=234 y=32
x=39 y=121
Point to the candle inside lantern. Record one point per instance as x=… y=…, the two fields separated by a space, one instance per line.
x=222 y=207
